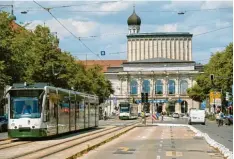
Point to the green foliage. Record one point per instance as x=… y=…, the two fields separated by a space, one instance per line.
x=221 y=65
x=196 y=93
x=35 y=57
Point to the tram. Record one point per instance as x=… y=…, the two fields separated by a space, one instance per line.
x=128 y=110
x=40 y=110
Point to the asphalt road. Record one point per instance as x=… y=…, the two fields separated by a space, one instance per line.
x=155 y=142
x=223 y=134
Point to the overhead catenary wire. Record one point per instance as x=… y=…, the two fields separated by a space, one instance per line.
x=150 y=11
x=112 y=34
x=207 y=32
x=48 y=10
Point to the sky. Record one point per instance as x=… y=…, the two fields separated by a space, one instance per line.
x=102 y=25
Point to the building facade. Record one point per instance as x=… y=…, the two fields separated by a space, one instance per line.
x=159 y=64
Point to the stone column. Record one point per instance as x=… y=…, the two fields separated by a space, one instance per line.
x=165 y=82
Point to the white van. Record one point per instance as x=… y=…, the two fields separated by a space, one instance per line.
x=197 y=116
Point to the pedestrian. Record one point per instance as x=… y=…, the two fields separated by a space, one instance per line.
x=162 y=115
x=142 y=116
x=220 y=116
x=105 y=115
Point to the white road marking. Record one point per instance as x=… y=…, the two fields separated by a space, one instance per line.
x=158 y=157
x=143 y=137
x=160 y=145
x=159 y=150
x=161 y=141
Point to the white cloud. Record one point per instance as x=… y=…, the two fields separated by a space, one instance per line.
x=167 y=28
x=216 y=4
x=78 y=28
x=199 y=30
x=104 y=8
x=178 y=5
x=221 y=24
x=217 y=49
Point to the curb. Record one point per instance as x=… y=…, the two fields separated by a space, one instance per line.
x=225 y=151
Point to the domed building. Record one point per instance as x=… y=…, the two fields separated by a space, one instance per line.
x=159 y=64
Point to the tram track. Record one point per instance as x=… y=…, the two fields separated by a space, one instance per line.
x=58 y=149
x=8 y=149
x=14 y=143
x=42 y=149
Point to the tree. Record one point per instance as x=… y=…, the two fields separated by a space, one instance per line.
x=196 y=93
x=35 y=57
x=221 y=65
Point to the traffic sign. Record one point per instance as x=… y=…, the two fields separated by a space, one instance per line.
x=103 y=53
x=215 y=98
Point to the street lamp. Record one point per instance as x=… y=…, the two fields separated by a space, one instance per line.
x=12 y=17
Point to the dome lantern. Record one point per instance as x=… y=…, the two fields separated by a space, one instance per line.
x=134 y=22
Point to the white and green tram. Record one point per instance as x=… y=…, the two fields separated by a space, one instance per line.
x=128 y=110
x=39 y=110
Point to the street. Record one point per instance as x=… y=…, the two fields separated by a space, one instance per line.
x=223 y=134
x=155 y=142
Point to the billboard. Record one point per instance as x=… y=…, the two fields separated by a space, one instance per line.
x=215 y=98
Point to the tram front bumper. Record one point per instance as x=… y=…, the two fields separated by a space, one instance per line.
x=26 y=133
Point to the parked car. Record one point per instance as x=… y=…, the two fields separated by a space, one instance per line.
x=175 y=115
x=3 y=124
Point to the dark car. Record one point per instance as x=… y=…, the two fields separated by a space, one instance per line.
x=3 y=124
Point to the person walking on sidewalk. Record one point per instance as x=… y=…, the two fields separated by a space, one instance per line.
x=162 y=114
x=220 y=118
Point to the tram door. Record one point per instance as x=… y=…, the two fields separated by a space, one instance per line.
x=63 y=112
x=80 y=112
x=51 y=110
x=86 y=117
x=72 y=111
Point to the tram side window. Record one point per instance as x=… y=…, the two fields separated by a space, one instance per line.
x=51 y=104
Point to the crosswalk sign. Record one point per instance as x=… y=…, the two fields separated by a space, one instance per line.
x=103 y=53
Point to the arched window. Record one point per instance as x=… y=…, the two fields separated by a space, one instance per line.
x=183 y=87
x=133 y=87
x=171 y=87
x=158 y=87
x=146 y=86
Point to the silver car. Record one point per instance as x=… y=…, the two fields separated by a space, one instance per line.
x=175 y=115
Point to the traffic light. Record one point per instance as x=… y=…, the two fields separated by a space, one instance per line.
x=142 y=97
x=212 y=77
x=146 y=97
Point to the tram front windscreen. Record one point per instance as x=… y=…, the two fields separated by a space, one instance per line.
x=123 y=108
